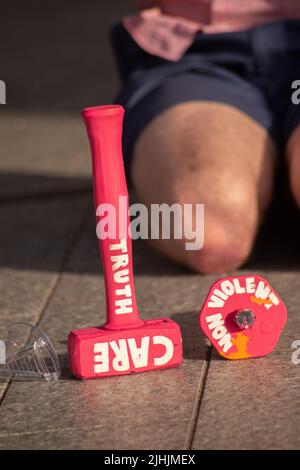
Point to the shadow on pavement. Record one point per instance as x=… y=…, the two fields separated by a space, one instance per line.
x=39 y=204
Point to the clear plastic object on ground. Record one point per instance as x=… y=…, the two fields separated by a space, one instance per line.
x=29 y=355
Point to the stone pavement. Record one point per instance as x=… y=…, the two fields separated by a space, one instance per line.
x=50 y=272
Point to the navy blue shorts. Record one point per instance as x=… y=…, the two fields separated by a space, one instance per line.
x=251 y=70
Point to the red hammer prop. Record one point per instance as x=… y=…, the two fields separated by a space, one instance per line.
x=125 y=344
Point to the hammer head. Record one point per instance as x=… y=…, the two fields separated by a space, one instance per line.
x=100 y=352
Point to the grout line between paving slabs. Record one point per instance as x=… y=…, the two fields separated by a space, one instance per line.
x=199 y=396
x=55 y=429
x=198 y=400
x=32 y=433
x=4 y=392
x=55 y=282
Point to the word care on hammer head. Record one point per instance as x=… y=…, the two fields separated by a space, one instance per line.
x=125 y=344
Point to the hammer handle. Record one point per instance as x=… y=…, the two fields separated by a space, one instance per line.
x=104 y=129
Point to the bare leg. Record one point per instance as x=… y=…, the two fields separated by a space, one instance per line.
x=293 y=157
x=202 y=152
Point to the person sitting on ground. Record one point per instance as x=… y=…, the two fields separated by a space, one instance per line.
x=206 y=85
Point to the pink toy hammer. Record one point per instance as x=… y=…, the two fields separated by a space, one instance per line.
x=125 y=344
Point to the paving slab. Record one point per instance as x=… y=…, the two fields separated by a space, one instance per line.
x=42 y=154
x=91 y=439
x=255 y=404
x=36 y=238
x=151 y=410
x=246 y=404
